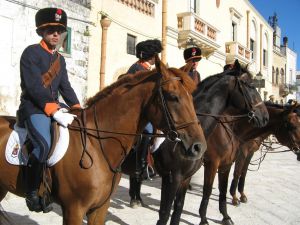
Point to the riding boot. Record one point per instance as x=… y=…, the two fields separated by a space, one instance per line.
x=34 y=173
x=142 y=152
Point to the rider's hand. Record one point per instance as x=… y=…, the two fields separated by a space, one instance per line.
x=63 y=118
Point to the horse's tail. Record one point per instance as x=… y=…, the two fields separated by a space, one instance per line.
x=4 y=217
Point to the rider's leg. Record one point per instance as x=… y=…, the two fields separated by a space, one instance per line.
x=38 y=127
x=142 y=150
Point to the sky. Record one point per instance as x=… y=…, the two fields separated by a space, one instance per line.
x=288 y=14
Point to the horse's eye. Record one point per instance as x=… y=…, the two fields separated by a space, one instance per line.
x=171 y=97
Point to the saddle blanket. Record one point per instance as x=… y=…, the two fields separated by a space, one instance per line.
x=15 y=156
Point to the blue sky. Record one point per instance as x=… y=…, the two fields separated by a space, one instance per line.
x=288 y=14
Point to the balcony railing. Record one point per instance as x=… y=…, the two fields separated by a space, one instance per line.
x=234 y=50
x=143 y=6
x=203 y=34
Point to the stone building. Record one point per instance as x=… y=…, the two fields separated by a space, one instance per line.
x=17 y=19
x=224 y=30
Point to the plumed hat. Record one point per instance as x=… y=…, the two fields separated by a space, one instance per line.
x=192 y=53
x=50 y=17
x=147 y=49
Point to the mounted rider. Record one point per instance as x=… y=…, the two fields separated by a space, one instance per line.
x=145 y=52
x=43 y=77
x=193 y=54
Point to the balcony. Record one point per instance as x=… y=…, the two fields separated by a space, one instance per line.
x=235 y=50
x=192 y=27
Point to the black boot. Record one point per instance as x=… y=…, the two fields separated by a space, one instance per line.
x=34 y=174
x=142 y=153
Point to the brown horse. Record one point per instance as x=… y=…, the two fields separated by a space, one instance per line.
x=86 y=177
x=223 y=146
x=212 y=97
x=287 y=132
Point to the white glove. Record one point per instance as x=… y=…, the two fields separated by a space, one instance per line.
x=63 y=118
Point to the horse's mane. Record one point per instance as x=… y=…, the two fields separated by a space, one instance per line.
x=133 y=79
x=124 y=79
x=209 y=81
x=286 y=107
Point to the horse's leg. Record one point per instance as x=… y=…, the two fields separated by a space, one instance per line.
x=179 y=202
x=169 y=187
x=72 y=214
x=223 y=184
x=242 y=179
x=210 y=170
x=135 y=191
x=97 y=216
x=239 y=164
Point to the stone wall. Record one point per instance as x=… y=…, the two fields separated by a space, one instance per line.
x=17 y=17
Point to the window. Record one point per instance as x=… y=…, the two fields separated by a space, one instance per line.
x=252 y=47
x=234 y=30
x=65 y=44
x=131 y=41
x=265 y=57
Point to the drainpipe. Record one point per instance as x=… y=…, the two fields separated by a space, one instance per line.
x=248 y=28
x=260 y=48
x=105 y=23
x=164 y=31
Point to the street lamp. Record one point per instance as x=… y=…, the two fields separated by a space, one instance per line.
x=259 y=78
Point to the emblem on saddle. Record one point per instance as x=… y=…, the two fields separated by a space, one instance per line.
x=18 y=147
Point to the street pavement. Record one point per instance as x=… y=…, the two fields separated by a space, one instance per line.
x=273 y=199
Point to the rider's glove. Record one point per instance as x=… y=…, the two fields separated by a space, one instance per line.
x=63 y=118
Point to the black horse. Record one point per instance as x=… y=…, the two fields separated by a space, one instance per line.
x=212 y=97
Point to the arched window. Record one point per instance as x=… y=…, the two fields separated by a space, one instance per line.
x=265 y=51
x=253 y=43
x=273 y=75
x=277 y=75
x=282 y=76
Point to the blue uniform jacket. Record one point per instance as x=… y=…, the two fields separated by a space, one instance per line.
x=35 y=98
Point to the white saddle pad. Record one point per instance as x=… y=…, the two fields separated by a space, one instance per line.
x=15 y=156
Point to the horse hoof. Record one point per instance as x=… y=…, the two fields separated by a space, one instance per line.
x=204 y=223
x=134 y=204
x=227 y=221
x=235 y=202
x=244 y=199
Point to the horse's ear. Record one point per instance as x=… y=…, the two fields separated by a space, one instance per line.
x=160 y=66
x=187 y=67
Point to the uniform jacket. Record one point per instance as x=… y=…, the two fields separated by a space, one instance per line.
x=138 y=66
x=35 y=98
x=195 y=75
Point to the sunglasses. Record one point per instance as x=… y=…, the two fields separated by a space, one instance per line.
x=51 y=30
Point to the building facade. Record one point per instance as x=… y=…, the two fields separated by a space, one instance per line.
x=242 y=34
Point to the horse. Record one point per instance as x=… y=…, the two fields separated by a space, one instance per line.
x=86 y=177
x=212 y=97
x=287 y=131
x=222 y=151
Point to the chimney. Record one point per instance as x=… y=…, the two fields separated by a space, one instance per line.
x=285 y=41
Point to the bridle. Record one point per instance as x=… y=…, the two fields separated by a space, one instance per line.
x=172 y=133
x=249 y=106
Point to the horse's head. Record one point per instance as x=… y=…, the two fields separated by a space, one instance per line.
x=172 y=110
x=289 y=133
x=245 y=96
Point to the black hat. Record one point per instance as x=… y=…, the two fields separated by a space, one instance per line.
x=192 y=53
x=50 y=17
x=147 y=49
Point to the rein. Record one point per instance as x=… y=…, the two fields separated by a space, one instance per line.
x=172 y=135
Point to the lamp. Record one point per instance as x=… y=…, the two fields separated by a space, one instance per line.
x=259 y=78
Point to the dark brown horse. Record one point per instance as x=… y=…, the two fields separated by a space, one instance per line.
x=287 y=132
x=223 y=146
x=214 y=95
x=86 y=177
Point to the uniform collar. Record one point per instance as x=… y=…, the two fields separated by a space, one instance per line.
x=45 y=46
x=145 y=65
